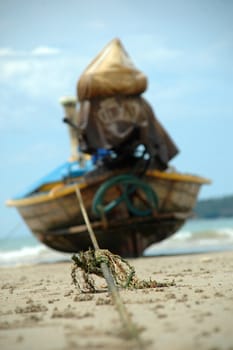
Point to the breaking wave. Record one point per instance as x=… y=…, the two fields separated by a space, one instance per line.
x=31 y=255
x=195 y=236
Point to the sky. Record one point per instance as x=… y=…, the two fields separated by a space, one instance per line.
x=185 y=48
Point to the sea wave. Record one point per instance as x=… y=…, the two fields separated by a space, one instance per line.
x=221 y=234
x=31 y=255
x=188 y=241
x=195 y=236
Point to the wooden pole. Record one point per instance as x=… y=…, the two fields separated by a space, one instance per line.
x=129 y=326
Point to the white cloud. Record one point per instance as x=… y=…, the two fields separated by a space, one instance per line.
x=6 y=52
x=45 y=51
x=37 y=77
x=13 y=68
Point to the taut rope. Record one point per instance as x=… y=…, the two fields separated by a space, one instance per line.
x=129 y=326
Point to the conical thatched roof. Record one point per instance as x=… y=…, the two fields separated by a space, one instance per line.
x=111 y=72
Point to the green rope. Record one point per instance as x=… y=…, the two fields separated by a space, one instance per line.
x=130 y=184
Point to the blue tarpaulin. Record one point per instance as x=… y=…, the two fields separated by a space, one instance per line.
x=66 y=170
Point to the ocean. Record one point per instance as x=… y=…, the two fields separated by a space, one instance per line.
x=196 y=236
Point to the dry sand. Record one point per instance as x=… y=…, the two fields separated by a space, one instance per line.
x=41 y=309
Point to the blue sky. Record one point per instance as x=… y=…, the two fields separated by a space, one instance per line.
x=184 y=47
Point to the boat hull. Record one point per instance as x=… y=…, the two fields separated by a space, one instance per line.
x=127 y=238
x=56 y=219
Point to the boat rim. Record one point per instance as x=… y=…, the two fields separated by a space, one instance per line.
x=62 y=189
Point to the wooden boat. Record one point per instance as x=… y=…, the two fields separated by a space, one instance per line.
x=129 y=221
x=128 y=209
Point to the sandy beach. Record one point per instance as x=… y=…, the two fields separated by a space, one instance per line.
x=40 y=308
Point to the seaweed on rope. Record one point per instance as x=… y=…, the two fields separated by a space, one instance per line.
x=87 y=265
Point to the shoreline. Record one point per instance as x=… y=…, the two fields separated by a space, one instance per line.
x=40 y=307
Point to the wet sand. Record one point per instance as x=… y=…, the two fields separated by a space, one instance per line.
x=40 y=308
